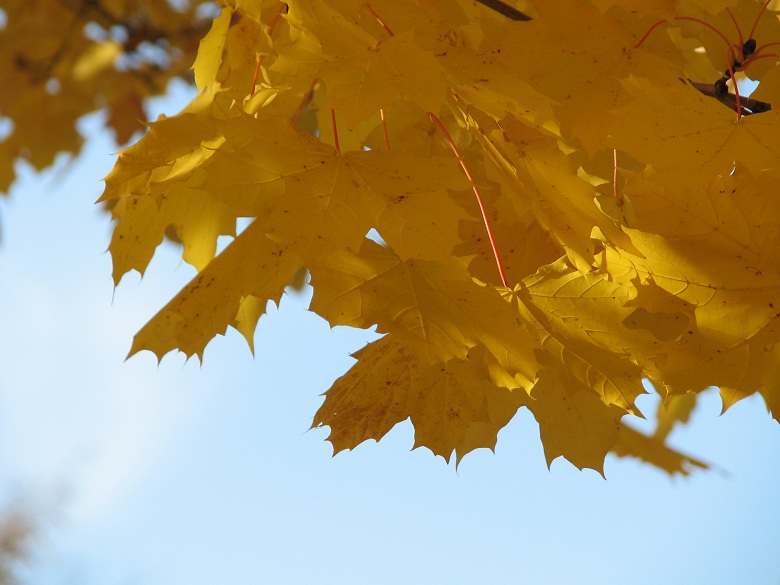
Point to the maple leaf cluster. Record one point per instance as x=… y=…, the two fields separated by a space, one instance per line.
x=536 y=212
x=61 y=59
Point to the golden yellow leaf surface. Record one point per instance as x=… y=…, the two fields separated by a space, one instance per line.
x=453 y=405
x=209 y=58
x=580 y=317
x=434 y=306
x=535 y=213
x=573 y=421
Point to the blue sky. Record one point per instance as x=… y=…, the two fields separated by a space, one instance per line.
x=202 y=474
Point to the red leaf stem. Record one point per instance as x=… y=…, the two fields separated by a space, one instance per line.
x=474 y=188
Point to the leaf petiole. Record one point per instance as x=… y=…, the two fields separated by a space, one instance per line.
x=477 y=194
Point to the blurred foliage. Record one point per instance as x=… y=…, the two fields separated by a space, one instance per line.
x=61 y=59
x=17 y=531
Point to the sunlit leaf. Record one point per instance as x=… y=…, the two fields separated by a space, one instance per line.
x=541 y=214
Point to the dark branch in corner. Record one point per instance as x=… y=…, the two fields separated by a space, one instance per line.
x=749 y=105
x=505 y=9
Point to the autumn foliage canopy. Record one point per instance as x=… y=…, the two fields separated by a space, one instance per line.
x=539 y=205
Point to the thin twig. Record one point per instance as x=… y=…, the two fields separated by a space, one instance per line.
x=335 y=130
x=260 y=57
x=749 y=105
x=505 y=9
x=474 y=188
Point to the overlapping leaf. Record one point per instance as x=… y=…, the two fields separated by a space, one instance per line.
x=434 y=306
x=454 y=406
x=717 y=252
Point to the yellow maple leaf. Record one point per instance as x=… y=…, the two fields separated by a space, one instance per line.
x=219 y=296
x=362 y=72
x=580 y=317
x=573 y=421
x=676 y=128
x=717 y=253
x=210 y=50
x=453 y=405
x=557 y=215
x=434 y=306
x=372 y=397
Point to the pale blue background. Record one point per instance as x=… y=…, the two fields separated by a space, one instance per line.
x=186 y=475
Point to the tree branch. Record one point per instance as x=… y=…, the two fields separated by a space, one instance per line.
x=749 y=105
x=505 y=9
